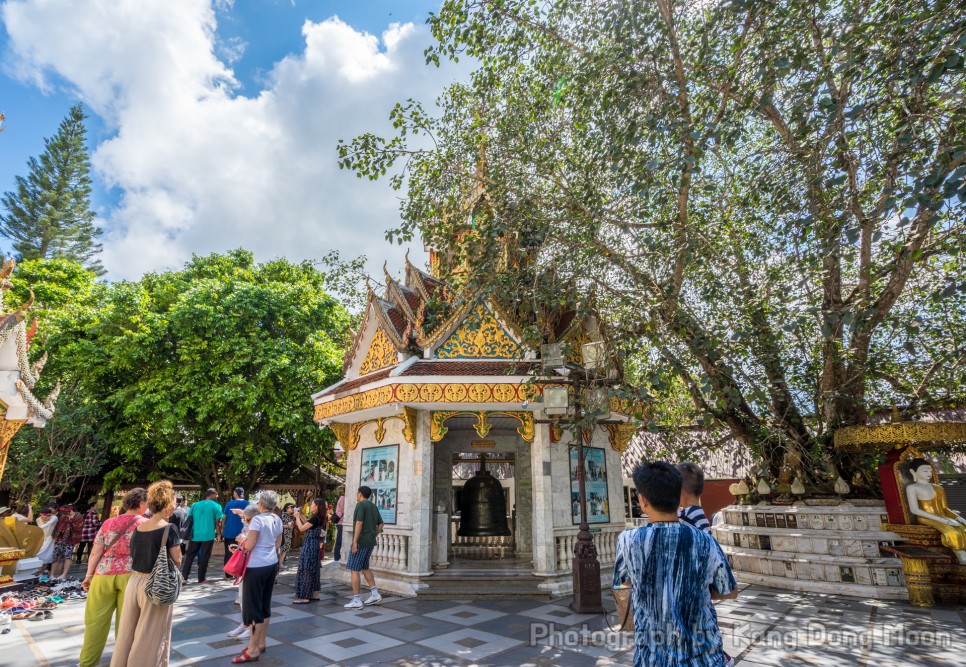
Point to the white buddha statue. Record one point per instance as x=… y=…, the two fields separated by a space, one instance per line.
x=927 y=502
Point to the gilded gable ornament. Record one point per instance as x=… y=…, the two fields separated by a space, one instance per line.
x=382 y=354
x=480 y=336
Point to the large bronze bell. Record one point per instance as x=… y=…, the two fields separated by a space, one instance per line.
x=483 y=506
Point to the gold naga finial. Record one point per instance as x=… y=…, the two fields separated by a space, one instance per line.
x=7 y=270
x=26 y=306
x=385 y=271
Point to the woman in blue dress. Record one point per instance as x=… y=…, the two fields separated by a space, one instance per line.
x=308 y=580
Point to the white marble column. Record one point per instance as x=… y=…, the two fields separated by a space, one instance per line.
x=544 y=547
x=353 y=473
x=523 y=489
x=421 y=498
x=442 y=480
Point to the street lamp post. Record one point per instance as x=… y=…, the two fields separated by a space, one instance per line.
x=585 y=565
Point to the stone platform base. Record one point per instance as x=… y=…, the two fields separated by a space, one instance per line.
x=820 y=549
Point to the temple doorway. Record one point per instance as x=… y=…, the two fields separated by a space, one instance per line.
x=482 y=494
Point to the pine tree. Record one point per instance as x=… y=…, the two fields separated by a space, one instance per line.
x=49 y=214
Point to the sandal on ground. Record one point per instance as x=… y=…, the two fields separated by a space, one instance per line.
x=301 y=601
x=244 y=657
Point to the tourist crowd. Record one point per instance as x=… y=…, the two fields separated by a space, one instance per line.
x=139 y=558
x=666 y=575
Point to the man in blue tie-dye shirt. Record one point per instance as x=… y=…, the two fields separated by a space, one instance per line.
x=675 y=571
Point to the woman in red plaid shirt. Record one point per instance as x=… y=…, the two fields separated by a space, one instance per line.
x=88 y=532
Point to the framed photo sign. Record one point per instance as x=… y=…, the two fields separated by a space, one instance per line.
x=380 y=472
x=598 y=500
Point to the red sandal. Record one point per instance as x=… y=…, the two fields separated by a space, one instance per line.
x=244 y=657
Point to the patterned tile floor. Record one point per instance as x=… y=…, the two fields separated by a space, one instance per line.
x=763 y=627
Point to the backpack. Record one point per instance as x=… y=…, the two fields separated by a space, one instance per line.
x=185 y=523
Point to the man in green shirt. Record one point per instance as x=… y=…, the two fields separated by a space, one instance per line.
x=367 y=524
x=204 y=515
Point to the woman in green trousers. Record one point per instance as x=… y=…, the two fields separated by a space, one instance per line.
x=108 y=570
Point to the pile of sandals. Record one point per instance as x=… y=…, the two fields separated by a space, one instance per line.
x=36 y=602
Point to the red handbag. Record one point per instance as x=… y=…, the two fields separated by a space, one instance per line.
x=237 y=564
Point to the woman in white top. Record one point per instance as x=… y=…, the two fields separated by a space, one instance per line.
x=47 y=522
x=263 y=541
x=242 y=631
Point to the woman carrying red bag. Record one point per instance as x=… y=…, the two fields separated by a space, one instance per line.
x=262 y=543
x=238 y=563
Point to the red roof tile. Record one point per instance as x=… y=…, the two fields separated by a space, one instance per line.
x=413 y=300
x=398 y=320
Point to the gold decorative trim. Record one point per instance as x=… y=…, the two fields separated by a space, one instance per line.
x=438 y=430
x=414 y=280
x=351 y=434
x=383 y=318
x=479 y=336
x=380 y=430
x=627 y=407
x=382 y=354
x=347 y=434
x=575 y=343
x=927 y=435
x=409 y=425
x=496 y=392
x=620 y=435
x=8 y=429
x=923 y=536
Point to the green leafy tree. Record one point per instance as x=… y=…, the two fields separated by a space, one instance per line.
x=206 y=374
x=67 y=454
x=49 y=213
x=766 y=199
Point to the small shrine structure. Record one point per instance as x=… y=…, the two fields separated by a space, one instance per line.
x=424 y=401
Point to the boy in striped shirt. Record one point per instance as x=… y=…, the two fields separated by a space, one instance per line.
x=692 y=486
x=691 y=512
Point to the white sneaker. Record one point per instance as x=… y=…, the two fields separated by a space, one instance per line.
x=373 y=599
x=239 y=630
x=246 y=634
x=356 y=603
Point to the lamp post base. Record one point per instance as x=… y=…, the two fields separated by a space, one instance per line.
x=586 y=573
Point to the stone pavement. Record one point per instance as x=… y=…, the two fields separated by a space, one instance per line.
x=763 y=627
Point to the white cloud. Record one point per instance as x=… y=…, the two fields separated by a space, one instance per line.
x=202 y=168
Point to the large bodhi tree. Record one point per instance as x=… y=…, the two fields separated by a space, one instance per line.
x=766 y=197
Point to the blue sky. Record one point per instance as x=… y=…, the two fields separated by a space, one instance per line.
x=213 y=123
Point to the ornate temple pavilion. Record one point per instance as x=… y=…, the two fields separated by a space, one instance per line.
x=424 y=404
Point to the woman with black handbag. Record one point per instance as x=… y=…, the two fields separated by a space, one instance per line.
x=144 y=634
